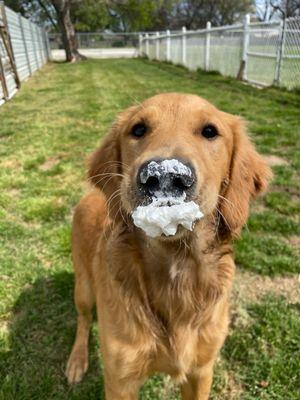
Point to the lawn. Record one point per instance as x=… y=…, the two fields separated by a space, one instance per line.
x=46 y=132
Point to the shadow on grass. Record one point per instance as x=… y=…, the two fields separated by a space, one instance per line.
x=42 y=331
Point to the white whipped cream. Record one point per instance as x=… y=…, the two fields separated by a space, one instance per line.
x=165 y=214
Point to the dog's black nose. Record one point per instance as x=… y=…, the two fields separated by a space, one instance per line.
x=165 y=178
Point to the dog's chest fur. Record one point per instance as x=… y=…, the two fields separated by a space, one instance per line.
x=168 y=308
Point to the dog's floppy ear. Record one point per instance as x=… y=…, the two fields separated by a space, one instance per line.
x=248 y=177
x=105 y=165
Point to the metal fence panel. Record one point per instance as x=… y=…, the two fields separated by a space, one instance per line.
x=29 y=46
x=290 y=70
x=99 y=40
x=262 y=52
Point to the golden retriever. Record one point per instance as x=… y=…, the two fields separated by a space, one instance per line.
x=162 y=303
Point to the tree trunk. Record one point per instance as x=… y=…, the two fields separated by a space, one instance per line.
x=62 y=8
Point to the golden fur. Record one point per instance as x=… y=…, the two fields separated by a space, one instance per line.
x=162 y=303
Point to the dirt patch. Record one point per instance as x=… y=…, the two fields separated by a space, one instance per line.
x=10 y=164
x=275 y=160
x=295 y=242
x=49 y=164
x=258 y=207
x=168 y=389
x=14 y=192
x=249 y=287
x=4 y=327
x=232 y=390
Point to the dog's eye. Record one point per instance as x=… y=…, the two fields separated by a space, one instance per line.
x=139 y=130
x=209 y=132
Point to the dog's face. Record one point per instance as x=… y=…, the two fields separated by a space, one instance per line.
x=177 y=145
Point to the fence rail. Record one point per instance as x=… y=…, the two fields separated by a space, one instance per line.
x=24 y=48
x=260 y=53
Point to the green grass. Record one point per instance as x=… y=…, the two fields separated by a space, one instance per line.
x=46 y=132
x=266 y=353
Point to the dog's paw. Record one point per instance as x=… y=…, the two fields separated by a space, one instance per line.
x=77 y=366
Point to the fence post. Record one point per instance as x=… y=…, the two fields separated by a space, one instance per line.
x=25 y=44
x=280 y=53
x=168 y=46
x=184 y=45
x=33 y=45
x=140 y=44
x=242 y=74
x=147 y=44
x=207 y=45
x=47 y=44
x=43 y=44
x=38 y=30
x=157 y=46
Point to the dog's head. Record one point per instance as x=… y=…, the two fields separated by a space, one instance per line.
x=180 y=145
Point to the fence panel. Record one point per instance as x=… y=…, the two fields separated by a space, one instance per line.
x=151 y=49
x=163 y=49
x=260 y=53
x=290 y=66
x=29 y=47
x=226 y=46
x=195 y=51
x=176 y=49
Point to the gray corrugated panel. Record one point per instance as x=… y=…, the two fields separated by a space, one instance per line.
x=31 y=54
x=23 y=73
x=29 y=48
x=11 y=15
x=10 y=83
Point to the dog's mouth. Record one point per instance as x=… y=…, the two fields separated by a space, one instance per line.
x=166 y=215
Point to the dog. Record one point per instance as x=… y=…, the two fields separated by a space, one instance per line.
x=162 y=302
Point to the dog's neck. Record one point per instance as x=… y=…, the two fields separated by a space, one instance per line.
x=204 y=241
x=177 y=279
x=195 y=254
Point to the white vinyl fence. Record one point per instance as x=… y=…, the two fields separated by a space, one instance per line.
x=24 y=48
x=260 y=53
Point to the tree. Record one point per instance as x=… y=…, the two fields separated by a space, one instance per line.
x=63 y=12
x=268 y=9
x=193 y=14
x=90 y=16
x=131 y=15
x=58 y=12
x=286 y=8
x=38 y=11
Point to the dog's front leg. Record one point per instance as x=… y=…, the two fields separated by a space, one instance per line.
x=125 y=369
x=121 y=383
x=198 y=384
x=121 y=390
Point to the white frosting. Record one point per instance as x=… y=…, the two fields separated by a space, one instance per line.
x=165 y=214
x=167 y=167
x=173 y=166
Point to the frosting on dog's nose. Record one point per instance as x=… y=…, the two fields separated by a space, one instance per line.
x=166 y=177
